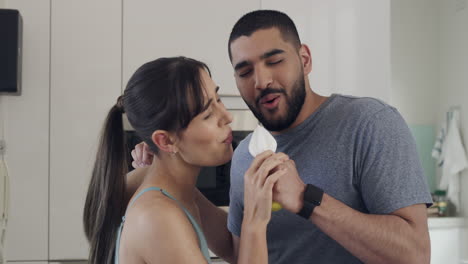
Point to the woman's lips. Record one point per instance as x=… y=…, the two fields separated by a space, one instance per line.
x=229 y=138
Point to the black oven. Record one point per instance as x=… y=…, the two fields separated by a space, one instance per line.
x=213 y=182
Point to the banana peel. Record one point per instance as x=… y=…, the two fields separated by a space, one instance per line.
x=275 y=206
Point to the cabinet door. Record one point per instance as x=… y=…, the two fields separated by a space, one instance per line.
x=445 y=245
x=197 y=29
x=464 y=244
x=26 y=127
x=85 y=83
x=349 y=43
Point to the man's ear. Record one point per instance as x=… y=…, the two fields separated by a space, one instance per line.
x=164 y=141
x=306 y=58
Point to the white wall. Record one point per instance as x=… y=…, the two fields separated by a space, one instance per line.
x=454 y=78
x=430 y=63
x=349 y=43
x=415 y=59
x=454 y=70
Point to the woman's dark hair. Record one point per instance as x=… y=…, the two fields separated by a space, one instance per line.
x=162 y=94
x=264 y=19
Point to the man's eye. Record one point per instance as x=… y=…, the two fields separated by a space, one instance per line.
x=275 y=62
x=243 y=74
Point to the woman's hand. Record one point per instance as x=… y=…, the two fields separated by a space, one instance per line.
x=259 y=180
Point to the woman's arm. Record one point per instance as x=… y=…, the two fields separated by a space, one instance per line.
x=214 y=225
x=251 y=247
x=259 y=180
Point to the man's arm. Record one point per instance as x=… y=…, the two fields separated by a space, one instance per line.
x=400 y=237
x=392 y=186
x=133 y=181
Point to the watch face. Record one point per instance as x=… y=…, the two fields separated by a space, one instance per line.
x=313 y=194
x=306 y=210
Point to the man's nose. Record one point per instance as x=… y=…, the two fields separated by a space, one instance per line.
x=263 y=78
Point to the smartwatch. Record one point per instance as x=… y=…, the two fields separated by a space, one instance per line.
x=312 y=198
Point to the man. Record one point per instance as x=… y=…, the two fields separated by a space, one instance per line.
x=355 y=191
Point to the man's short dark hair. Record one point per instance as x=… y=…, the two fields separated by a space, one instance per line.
x=265 y=19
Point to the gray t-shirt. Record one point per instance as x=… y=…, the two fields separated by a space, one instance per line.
x=358 y=150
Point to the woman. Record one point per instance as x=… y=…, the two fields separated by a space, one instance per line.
x=173 y=105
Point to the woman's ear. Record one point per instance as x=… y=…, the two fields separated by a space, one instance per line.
x=164 y=141
x=306 y=58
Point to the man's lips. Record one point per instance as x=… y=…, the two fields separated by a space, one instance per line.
x=270 y=101
x=268 y=98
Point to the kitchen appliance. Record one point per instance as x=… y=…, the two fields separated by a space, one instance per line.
x=213 y=182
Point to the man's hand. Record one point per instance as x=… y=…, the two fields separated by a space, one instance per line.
x=259 y=180
x=289 y=189
x=142 y=156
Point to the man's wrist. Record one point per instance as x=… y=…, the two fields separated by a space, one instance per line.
x=300 y=201
x=312 y=197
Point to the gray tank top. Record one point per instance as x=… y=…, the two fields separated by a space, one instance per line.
x=198 y=230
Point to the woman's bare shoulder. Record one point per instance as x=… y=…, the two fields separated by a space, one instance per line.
x=163 y=230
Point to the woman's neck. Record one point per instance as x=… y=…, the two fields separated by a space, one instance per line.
x=175 y=176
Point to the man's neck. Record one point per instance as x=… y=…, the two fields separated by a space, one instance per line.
x=312 y=102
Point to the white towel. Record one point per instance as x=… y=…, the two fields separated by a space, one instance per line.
x=437 y=149
x=452 y=159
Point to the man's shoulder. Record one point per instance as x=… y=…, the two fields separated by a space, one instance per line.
x=362 y=108
x=241 y=158
x=243 y=148
x=362 y=104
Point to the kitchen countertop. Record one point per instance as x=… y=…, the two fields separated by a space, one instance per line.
x=446 y=222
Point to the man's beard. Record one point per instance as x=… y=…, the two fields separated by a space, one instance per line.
x=294 y=105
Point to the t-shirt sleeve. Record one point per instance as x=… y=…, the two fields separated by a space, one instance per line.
x=390 y=171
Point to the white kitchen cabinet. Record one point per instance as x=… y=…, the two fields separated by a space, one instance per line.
x=197 y=29
x=349 y=43
x=26 y=133
x=85 y=83
x=447 y=237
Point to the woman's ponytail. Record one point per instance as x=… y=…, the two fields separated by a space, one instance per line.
x=104 y=204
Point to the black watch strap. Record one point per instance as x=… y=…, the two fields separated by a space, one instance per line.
x=312 y=198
